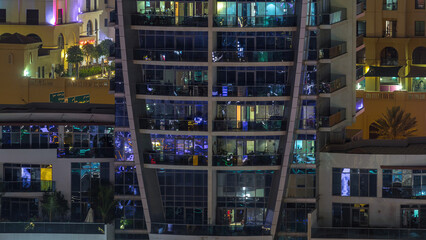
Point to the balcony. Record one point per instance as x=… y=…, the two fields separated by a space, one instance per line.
x=360 y=7
x=339 y=82
x=171 y=90
x=359 y=40
x=28 y=186
x=404 y=192
x=273 y=90
x=249 y=126
x=255 y=21
x=163 y=20
x=174 y=159
x=336 y=15
x=170 y=55
x=253 y=56
x=52 y=227
x=367 y=233
x=82 y=152
x=359 y=72
x=208 y=230
x=172 y=124
x=256 y=159
x=338 y=116
x=336 y=50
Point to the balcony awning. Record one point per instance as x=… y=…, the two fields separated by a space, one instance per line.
x=383 y=72
x=416 y=72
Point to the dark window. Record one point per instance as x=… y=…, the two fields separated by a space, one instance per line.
x=420 y=4
x=42 y=72
x=88 y=5
x=96 y=26
x=96 y=5
x=350 y=215
x=420 y=28
x=89 y=28
x=106 y=1
x=2 y=15
x=106 y=22
x=389 y=57
x=60 y=19
x=32 y=17
x=419 y=55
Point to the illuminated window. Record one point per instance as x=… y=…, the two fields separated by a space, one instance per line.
x=354 y=182
x=420 y=4
x=390 y=4
x=304 y=149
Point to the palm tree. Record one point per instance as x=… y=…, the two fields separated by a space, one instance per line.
x=395 y=124
x=75 y=56
x=105 y=203
x=54 y=205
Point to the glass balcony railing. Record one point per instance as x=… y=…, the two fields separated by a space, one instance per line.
x=336 y=84
x=253 y=56
x=52 y=227
x=359 y=72
x=247 y=126
x=360 y=7
x=333 y=119
x=254 y=21
x=175 y=159
x=170 y=55
x=332 y=52
x=81 y=152
x=172 y=124
x=404 y=192
x=171 y=90
x=359 y=40
x=208 y=230
x=256 y=159
x=336 y=16
x=272 y=90
x=28 y=186
x=359 y=105
x=368 y=233
x=163 y=20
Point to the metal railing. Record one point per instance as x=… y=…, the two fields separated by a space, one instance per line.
x=253 y=56
x=170 y=55
x=164 y=20
x=52 y=227
x=172 y=90
x=82 y=152
x=208 y=230
x=336 y=16
x=332 y=52
x=174 y=159
x=360 y=7
x=246 y=126
x=272 y=90
x=333 y=119
x=256 y=159
x=28 y=186
x=359 y=40
x=404 y=192
x=368 y=233
x=254 y=21
x=172 y=124
x=334 y=85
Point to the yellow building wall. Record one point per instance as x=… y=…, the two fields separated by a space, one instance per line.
x=376 y=104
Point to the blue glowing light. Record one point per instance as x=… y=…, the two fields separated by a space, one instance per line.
x=345 y=177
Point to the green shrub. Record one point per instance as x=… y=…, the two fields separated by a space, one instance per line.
x=90 y=71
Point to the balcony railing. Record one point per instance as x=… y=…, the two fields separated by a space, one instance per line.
x=208 y=230
x=52 y=227
x=256 y=21
x=174 y=159
x=82 y=152
x=273 y=90
x=332 y=52
x=404 y=192
x=336 y=16
x=257 y=159
x=390 y=6
x=162 y=20
x=360 y=7
x=28 y=186
x=247 y=126
x=170 y=55
x=172 y=124
x=253 y=56
x=359 y=72
x=368 y=233
x=171 y=90
x=336 y=84
x=333 y=119
x=359 y=40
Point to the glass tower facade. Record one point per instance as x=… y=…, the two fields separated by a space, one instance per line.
x=224 y=106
